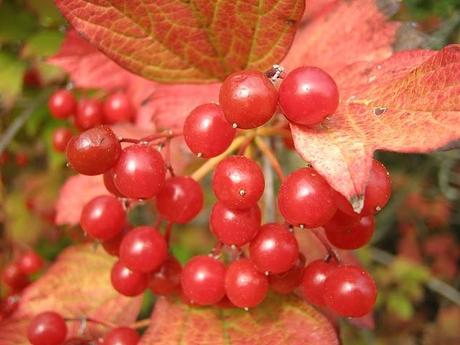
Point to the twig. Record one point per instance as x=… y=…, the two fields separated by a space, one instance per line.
x=140 y=324
x=269 y=193
x=263 y=147
x=330 y=251
x=163 y=135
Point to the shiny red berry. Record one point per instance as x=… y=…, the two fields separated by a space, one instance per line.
x=121 y=336
x=166 y=280
x=287 y=282
x=47 y=328
x=14 y=277
x=110 y=184
x=378 y=189
x=352 y=236
x=118 y=108
x=314 y=277
x=30 y=262
x=128 y=282
x=62 y=104
x=60 y=138
x=89 y=114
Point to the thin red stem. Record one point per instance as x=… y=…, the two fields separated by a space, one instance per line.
x=163 y=135
x=330 y=251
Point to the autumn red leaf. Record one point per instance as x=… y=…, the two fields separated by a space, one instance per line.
x=388 y=105
x=177 y=41
x=77 y=285
x=279 y=320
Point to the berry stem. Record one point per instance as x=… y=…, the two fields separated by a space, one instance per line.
x=90 y=319
x=169 y=134
x=265 y=149
x=140 y=324
x=217 y=249
x=330 y=251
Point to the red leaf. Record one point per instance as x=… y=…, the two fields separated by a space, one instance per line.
x=279 y=320
x=407 y=103
x=77 y=285
x=339 y=33
x=187 y=41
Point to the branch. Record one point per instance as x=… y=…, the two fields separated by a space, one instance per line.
x=265 y=149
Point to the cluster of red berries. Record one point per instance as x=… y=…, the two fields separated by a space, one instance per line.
x=87 y=113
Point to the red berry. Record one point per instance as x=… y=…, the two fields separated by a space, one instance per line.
x=314 y=276
x=103 y=217
x=62 y=104
x=112 y=245
x=307 y=95
x=350 y=291
x=248 y=99
x=118 y=108
x=89 y=114
x=143 y=249
x=234 y=227
x=30 y=262
x=166 y=280
x=60 y=138
x=202 y=280
x=274 y=249
x=180 y=199
x=378 y=190
x=121 y=336
x=128 y=282
x=94 y=151
x=109 y=184
x=47 y=328
x=344 y=205
x=140 y=172
x=207 y=132
x=287 y=282
x=238 y=182
x=21 y=159
x=245 y=286
x=305 y=198
x=14 y=277
x=341 y=220
x=354 y=235
x=9 y=305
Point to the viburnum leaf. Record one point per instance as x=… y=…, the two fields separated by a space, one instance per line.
x=187 y=41
x=77 y=285
x=279 y=320
x=409 y=102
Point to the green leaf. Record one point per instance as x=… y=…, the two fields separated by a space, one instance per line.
x=16 y=24
x=47 y=12
x=43 y=44
x=11 y=75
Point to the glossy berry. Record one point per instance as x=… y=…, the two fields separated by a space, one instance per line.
x=305 y=198
x=89 y=114
x=30 y=262
x=245 y=286
x=47 y=328
x=121 y=336
x=287 y=282
x=9 y=305
x=202 y=280
x=94 y=151
x=14 y=277
x=180 y=199
x=118 y=108
x=344 y=205
x=234 y=227
x=314 y=277
x=378 y=190
x=140 y=172
x=341 y=220
x=128 y=282
x=238 y=182
x=62 y=104
x=112 y=245
x=274 y=249
x=143 y=249
x=110 y=184
x=60 y=138
x=307 y=95
x=350 y=291
x=206 y=131
x=166 y=280
x=248 y=99
x=354 y=235
x=103 y=217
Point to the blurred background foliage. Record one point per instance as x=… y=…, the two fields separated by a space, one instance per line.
x=415 y=252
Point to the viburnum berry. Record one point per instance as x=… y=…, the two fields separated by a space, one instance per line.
x=180 y=199
x=121 y=336
x=21 y=159
x=94 y=151
x=245 y=286
x=62 y=104
x=140 y=172
x=118 y=108
x=112 y=245
x=350 y=291
x=305 y=198
x=89 y=114
x=14 y=277
x=248 y=99
x=30 y=262
x=238 y=182
x=103 y=217
x=378 y=189
x=9 y=305
x=166 y=280
x=314 y=277
x=60 y=138
x=307 y=95
x=202 y=280
x=128 y=282
x=206 y=131
x=354 y=235
x=234 y=227
x=47 y=328
x=109 y=184
x=143 y=249
x=287 y=282
x=274 y=249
